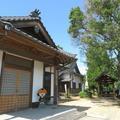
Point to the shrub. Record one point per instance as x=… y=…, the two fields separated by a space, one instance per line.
x=89 y=93
x=86 y=93
x=82 y=94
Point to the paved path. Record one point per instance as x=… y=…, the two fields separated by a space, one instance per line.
x=45 y=112
x=35 y=114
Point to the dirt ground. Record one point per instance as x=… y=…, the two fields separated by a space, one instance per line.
x=105 y=108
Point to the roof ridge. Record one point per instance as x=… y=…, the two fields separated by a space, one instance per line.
x=19 y=16
x=74 y=55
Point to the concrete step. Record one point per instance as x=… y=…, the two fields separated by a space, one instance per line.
x=72 y=114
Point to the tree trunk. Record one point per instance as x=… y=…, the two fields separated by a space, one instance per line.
x=114 y=95
x=99 y=90
x=118 y=66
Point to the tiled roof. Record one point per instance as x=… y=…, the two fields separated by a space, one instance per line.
x=26 y=18
x=67 y=53
x=70 y=69
x=38 y=41
x=18 y=18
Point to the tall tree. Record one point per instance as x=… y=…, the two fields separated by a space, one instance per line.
x=98 y=28
x=98 y=61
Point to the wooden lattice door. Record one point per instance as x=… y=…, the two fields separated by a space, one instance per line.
x=15 y=89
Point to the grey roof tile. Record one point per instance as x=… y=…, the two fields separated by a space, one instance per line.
x=18 y=18
x=25 y=18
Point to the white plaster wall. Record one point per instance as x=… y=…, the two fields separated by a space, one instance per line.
x=77 y=81
x=66 y=76
x=77 y=85
x=52 y=87
x=1 y=56
x=47 y=69
x=37 y=79
x=52 y=84
x=52 y=69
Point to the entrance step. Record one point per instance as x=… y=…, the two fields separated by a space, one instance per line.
x=72 y=114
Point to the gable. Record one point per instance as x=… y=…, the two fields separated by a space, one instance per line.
x=29 y=25
x=77 y=69
x=31 y=31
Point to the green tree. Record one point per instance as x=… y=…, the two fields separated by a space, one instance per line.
x=97 y=31
x=98 y=62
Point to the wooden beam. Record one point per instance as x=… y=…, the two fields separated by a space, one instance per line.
x=21 y=24
x=32 y=43
x=24 y=51
x=29 y=42
x=44 y=32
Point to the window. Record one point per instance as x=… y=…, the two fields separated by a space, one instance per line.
x=74 y=85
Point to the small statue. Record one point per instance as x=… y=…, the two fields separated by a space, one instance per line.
x=42 y=93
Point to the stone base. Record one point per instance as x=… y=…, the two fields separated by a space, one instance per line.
x=35 y=104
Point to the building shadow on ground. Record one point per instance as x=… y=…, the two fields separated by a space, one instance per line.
x=41 y=112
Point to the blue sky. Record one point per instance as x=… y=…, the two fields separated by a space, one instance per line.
x=54 y=15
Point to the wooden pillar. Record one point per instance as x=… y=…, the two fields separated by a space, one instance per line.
x=1 y=60
x=68 y=89
x=55 y=85
x=1 y=66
